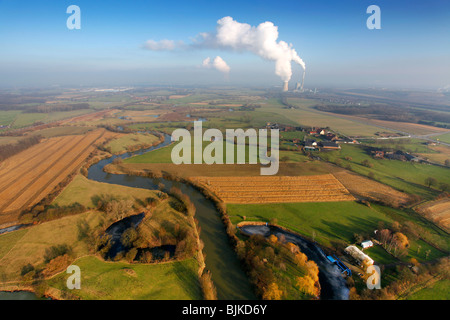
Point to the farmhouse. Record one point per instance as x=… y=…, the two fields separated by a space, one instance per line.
x=366 y=244
x=378 y=154
x=310 y=145
x=329 y=145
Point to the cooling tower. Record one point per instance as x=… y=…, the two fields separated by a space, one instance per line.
x=303 y=80
x=285 y=86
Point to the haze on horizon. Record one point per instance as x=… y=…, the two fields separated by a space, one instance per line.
x=148 y=43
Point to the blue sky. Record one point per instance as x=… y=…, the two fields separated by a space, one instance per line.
x=411 y=50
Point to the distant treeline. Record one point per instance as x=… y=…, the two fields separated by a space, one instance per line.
x=6 y=100
x=36 y=104
x=8 y=150
x=392 y=113
x=47 y=108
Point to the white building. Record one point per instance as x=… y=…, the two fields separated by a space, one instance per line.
x=366 y=244
x=359 y=255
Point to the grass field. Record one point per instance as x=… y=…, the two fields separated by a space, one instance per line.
x=394 y=173
x=439 y=290
x=28 y=245
x=328 y=220
x=379 y=255
x=443 y=138
x=85 y=192
x=124 y=142
x=119 y=280
x=8 y=117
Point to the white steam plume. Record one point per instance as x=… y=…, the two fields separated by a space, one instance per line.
x=261 y=40
x=218 y=64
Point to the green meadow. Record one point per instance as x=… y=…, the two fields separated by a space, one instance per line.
x=102 y=280
x=404 y=176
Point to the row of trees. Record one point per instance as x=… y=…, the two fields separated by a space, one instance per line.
x=8 y=150
x=47 y=108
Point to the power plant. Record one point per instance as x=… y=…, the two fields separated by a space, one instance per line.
x=303 y=80
x=298 y=85
x=285 y=86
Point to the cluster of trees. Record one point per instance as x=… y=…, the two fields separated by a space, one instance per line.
x=56 y=259
x=249 y=107
x=185 y=204
x=367 y=163
x=265 y=260
x=8 y=150
x=52 y=212
x=432 y=182
x=395 y=243
x=143 y=243
x=407 y=277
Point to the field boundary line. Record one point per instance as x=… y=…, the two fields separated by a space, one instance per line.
x=18 y=194
x=42 y=189
x=32 y=158
x=19 y=177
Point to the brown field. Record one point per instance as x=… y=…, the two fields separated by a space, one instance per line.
x=144 y=116
x=276 y=189
x=437 y=211
x=174 y=116
x=178 y=96
x=29 y=176
x=368 y=189
x=90 y=116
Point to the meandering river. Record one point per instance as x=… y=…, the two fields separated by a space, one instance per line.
x=227 y=274
x=230 y=280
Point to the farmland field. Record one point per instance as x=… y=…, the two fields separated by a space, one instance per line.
x=279 y=189
x=369 y=189
x=29 y=176
x=437 y=211
x=444 y=137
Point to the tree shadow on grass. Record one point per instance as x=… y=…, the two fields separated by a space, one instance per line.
x=188 y=280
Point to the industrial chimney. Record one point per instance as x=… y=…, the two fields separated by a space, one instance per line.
x=285 y=86
x=303 y=80
x=297 y=86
